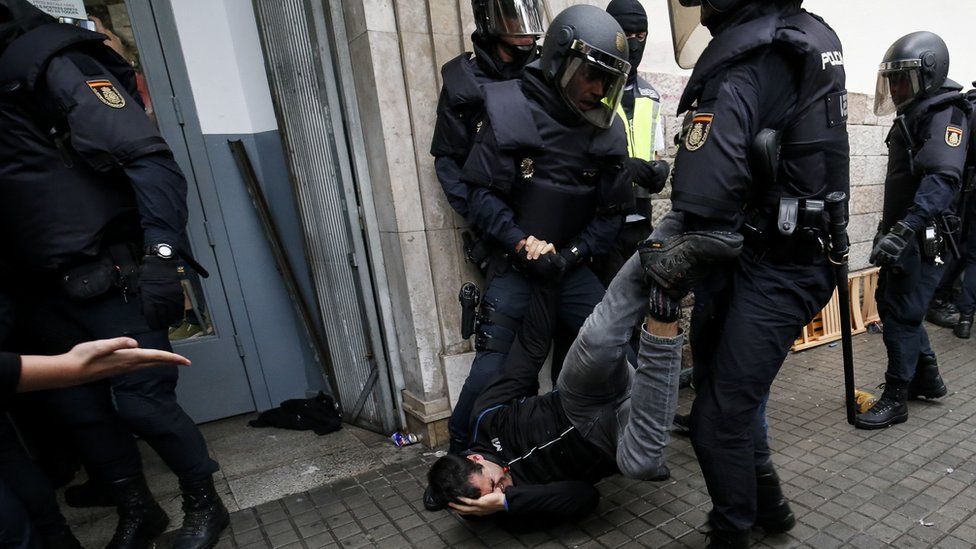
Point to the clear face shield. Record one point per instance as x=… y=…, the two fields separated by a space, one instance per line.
x=899 y=83
x=592 y=83
x=516 y=18
x=689 y=36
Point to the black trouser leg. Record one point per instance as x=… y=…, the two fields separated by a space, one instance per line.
x=27 y=483
x=768 y=306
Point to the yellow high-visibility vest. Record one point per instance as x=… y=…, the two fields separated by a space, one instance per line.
x=643 y=127
x=641 y=130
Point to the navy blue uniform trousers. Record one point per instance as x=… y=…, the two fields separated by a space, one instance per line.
x=765 y=306
x=145 y=404
x=903 y=295
x=509 y=293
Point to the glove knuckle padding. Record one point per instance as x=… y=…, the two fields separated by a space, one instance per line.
x=682 y=261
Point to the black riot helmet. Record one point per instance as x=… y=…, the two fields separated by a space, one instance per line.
x=916 y=65
x=584 y=57
x=495 y=18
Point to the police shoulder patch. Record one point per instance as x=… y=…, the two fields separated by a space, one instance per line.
x=953 y=136
x=701 y=124
x=105 y=91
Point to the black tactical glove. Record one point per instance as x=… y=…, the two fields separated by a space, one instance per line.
x=548 y=269
x=888 y=249
x=160 y=291
x=675 y=265
x=651 y=175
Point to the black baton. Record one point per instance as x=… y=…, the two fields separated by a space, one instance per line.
x=836 y=205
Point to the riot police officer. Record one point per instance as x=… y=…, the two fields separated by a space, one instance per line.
x=926 y=156
x=92 y=206
x=770 y=79
x=546 y=174
x=640 y=109
x=504 y=42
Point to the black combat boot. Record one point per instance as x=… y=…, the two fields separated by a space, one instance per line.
x=205 y=516
x=942 y=313
x=773 y=510
x=140 y=518
x=927 y=382
x=963 y=328
x=889 y=409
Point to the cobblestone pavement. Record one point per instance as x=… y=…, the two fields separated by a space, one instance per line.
x=911 y=485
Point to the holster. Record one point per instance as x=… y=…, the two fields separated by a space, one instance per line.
x=794 y=234
x=115 y=267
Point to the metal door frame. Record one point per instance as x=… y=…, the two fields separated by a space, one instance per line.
x=359 y=212
x=154 y=26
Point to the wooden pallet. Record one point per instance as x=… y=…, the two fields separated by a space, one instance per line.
x=825 y=326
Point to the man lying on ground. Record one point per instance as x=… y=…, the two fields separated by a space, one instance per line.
x=536 y=458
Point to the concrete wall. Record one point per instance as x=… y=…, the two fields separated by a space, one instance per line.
x=397 y=47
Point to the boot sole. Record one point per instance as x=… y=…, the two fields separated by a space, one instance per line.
x=873 y=426
x=778 y=526
x=152 y=531
x=939 y=393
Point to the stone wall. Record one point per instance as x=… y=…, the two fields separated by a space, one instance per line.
x=397 y=48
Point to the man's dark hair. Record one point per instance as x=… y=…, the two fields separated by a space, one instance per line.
x=450 y=478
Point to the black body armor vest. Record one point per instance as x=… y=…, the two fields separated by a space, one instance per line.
x=563 y=175
x=815 y=153
x=55 y=207
x=906 y=137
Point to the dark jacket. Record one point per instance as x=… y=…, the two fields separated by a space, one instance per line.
x=925 y=167
x=553 y=468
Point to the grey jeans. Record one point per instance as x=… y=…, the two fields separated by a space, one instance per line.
x=626 y=413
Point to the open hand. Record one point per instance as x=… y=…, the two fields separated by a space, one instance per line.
x=108 y=357
x=485 y=505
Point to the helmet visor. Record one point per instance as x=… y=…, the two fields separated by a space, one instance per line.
x=899 y=83
x=687 y=33
x=592 y=83
x=516 y=18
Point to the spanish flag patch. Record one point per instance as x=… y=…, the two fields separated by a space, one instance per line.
x=105 y=91
x=953 y=136
x=701 y=123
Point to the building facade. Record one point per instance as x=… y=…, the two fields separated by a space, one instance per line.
x=326 y=108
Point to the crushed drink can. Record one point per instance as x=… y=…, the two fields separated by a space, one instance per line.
x=404 y=439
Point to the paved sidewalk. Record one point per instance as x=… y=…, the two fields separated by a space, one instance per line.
x=908 y=486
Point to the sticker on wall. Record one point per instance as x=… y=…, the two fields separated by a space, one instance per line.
x=74 y=9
